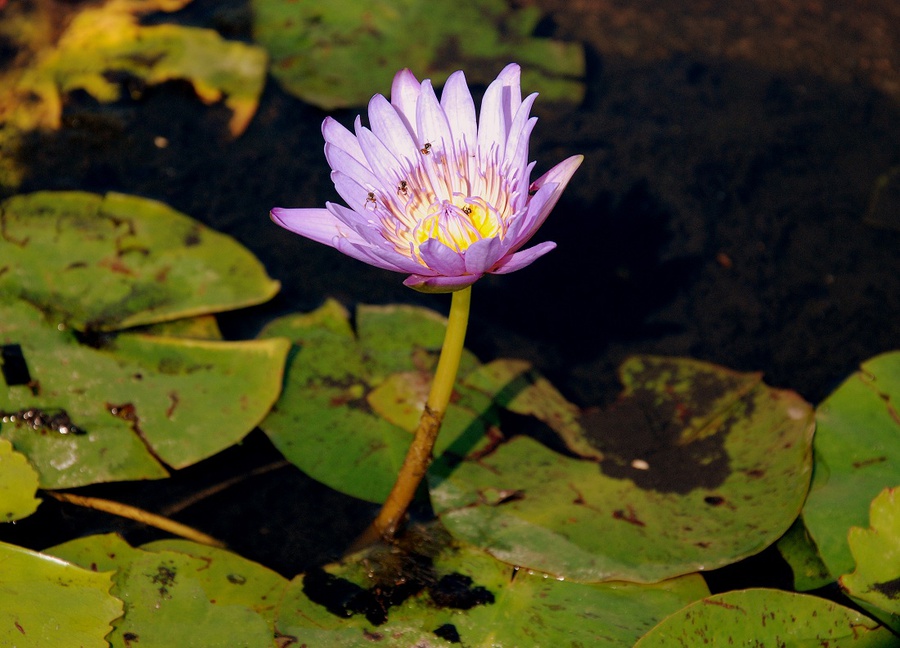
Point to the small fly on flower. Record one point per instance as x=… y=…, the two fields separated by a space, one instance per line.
x=370 y=198
x=403 y=189
x=426 y=150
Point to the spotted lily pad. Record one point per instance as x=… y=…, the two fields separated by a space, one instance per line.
x=765 y=617
x=857 y=448
x=18 y=484
x=336 y=53
x=351 y=399
x=749 y=445
x=86 y=414
x=109 y=262
x=876 y=580
x=454 y=595
x=177 y=598
x=47 y=602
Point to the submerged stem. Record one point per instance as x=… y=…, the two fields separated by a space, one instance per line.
x=138 y=515
x=419 y=455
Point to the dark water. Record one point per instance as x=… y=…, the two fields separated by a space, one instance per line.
x=719 y=214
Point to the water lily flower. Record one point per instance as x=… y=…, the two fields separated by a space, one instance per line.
x=433 y=192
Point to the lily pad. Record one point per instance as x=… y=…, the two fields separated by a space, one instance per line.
x=18 y=484
x=799 y=551
x=351 y=400
x=765 y=617
x=84 y=415
x=104 y=42
x=47 y=602
x=172 y=598
x=460 y=596
x=108 y=262
x=857 y=455
x=594 y=521
x=876 y=580
x=338 y=53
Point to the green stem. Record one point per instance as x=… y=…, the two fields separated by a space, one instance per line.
x=419 y=455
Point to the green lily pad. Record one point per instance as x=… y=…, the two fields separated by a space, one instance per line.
x=351 y=401
x=109 y=262
x=84 y=415
x=594 y=521
x=876 y=579
x=799 y=551
x=338 y=53
x=432 y=596
x=18 y=484
x=172 y=598
x=857 y=455
x=764 y=617
x=230 y=579
x=47 y=602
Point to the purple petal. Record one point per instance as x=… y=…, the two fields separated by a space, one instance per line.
x=388 y=126
x=354 y=194
x=442 y=259
x=500 y=103
x=516 y=151
x=521 y=259
x=458 y=105
x=387 y=168
x=440 y=284
x=434 y=129
x=554 y=181
x=339 y=136
x=340 y=160
x=361 y=252
x=404 y=96
x=320 y=225
x=482 y=254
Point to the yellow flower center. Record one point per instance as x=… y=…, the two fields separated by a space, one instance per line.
x=458 y=224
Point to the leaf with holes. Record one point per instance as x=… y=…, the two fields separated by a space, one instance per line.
x=115 y=412
x=108 y=262
x=336 y=53
x=47 y=602
x=746 y=454
x=765 y=617
x=175 y=598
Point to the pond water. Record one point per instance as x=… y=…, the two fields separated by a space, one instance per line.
x=720 y=214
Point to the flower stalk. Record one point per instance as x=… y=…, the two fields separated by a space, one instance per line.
x=419 y=455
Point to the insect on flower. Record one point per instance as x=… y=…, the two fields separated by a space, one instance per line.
x=474 y=206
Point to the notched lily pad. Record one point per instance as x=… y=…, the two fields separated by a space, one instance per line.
x=425 y=590
x=619 y=519
x=47 y=602
x=18 y=484
x=117 y=412
x=338 y=53
x=765 y=617
x=176 y=598
x=876 y=580
x=108 y=262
